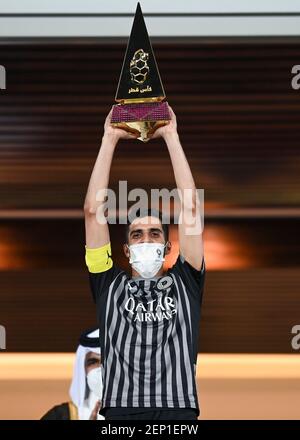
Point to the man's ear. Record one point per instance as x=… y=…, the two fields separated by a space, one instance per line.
x=126 y=250
x=168 y=247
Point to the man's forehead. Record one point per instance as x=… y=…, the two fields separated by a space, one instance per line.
x=145 y=223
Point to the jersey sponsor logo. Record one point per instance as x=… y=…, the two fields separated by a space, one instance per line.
x=157 y=309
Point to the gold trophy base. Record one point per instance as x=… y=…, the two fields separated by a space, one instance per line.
x=145 y=128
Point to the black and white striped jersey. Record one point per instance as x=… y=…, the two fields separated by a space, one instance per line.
x=149 y=336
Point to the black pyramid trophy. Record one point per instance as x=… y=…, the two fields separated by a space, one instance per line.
x=140 y=93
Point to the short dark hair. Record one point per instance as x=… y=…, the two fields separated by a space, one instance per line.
x=148 y=212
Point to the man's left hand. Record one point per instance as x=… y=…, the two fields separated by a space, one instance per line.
x=168 y=129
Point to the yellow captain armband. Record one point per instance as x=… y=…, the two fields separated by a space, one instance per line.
x=99 y=259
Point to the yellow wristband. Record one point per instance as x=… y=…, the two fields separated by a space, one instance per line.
x=99 y=259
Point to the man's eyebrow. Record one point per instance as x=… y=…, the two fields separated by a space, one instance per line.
x=135 y=230
x=92 y=358
x=155 y=230
x=150 y=229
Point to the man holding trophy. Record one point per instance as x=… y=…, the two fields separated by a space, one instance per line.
x=149 y=319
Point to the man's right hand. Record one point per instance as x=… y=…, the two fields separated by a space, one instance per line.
x=117 y=133
x=95 y=411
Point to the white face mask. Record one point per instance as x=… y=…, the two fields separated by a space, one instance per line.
x=94 y=380
x=147 y=258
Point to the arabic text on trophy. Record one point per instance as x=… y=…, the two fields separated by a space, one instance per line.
x=140 y=93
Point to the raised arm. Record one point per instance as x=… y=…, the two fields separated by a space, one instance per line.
x=190 y=244
x=97 y=234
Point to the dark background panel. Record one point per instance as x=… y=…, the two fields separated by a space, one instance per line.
x=238 y=119
x=27 y=244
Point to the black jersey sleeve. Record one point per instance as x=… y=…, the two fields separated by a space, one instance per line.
x=192 y=278
x=100 y=282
